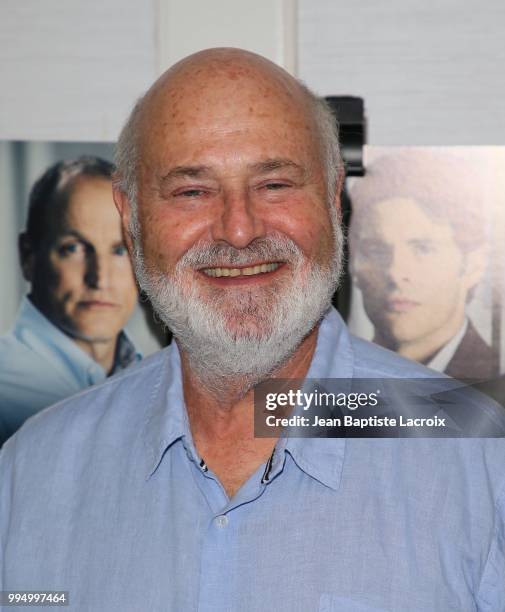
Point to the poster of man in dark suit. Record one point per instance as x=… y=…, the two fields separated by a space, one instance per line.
x=420 y=239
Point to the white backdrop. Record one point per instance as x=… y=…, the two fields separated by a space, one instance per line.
x=431 y=72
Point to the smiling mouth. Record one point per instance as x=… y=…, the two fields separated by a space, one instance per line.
x=234 y=272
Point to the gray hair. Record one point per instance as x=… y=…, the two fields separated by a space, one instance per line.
x=127 y=150
x=327 y=130
x=126 y=159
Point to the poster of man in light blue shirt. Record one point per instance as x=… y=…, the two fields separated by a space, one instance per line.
x=68 y=331
x=151 y=491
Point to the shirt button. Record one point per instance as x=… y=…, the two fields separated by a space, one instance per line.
x=222 y=521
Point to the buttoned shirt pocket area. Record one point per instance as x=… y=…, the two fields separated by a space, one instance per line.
x=330 y=602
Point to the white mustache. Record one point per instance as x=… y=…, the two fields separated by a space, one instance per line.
x=271 y=248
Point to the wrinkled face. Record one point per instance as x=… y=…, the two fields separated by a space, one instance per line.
x=82 y=277
x=230 y=168
x=234 y=241
x=411 y=271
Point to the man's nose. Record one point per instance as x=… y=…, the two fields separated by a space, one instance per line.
x=238 y=222
x=400 y=266
x=97 y=275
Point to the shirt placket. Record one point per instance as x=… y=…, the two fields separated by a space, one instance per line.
x=221 y=538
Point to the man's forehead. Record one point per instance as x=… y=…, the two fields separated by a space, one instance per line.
x=232 y=85
x=215 y=68
x=83 y=197
x=397 y=230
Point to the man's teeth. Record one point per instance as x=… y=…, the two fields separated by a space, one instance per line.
x=217 y=272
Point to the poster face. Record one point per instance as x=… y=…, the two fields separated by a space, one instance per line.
x=23 y=163
x=427 y=255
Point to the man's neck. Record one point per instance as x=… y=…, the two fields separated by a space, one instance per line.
x=425 y=348
x=223 y=427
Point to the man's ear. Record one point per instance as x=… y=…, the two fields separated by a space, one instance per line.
x=124 y=209
x=474 y=266
x=26 y=256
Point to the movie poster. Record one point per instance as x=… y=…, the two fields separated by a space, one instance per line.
x=21 y=164
x=427 y=256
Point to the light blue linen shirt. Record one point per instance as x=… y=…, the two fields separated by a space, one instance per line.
x=40 y=365
x=105 y=496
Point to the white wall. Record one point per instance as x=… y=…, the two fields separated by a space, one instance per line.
x=72 y=69
x=267 y=27
x=430 y=72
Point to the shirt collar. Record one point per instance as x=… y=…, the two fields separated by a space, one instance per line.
x=441 y=359
x=167 y=419
x=126 y=353
x=34 y=330
x=321 y=459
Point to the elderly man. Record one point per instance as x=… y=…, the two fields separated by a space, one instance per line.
x=418 y=250
x=68 y=332
x=151 y=492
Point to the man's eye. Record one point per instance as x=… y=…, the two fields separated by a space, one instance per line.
x=374 y=250
x=190 y=193
x=120 y=250
x=70 y=248
x=275 y=186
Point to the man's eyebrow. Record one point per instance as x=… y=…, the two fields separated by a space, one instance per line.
x=186 y=172
x=74 y=233
x=262 y=167
x=70 y=232
x=278 y=163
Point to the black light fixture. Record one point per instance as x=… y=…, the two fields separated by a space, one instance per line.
x=350 y=113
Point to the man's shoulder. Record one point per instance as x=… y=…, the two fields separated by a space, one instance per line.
x=341 y=354
x=25 y=360
x=121 y=400
x=21 y=369
x=473 y=357
x=10 y=344
x=372 y=361
x=468 y=412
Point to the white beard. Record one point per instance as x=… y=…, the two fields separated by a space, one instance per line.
x=241 y=335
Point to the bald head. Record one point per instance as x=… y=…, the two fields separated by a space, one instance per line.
x=205 y=77
x=235 y=237
x=231 y=83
